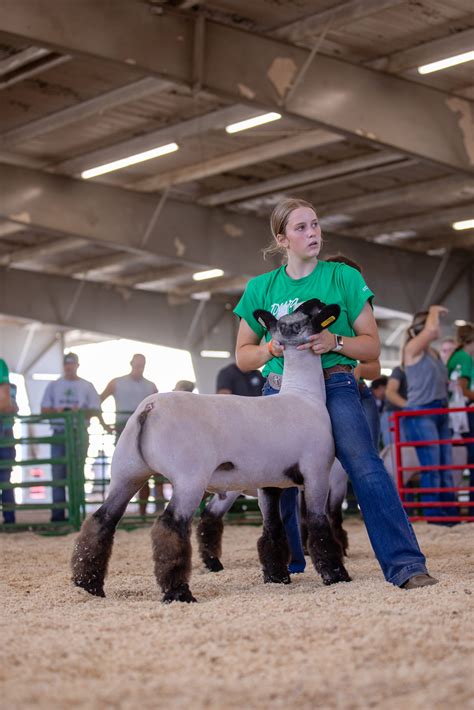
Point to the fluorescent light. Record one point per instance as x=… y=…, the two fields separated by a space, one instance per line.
x=215 y=353
x=209 y=274
x=445 y=63
x=131 y=160
x=465 y=224
x=45 y=376
x=252 y=122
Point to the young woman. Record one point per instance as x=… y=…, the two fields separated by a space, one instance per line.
x=353 y=337
x=427 y=382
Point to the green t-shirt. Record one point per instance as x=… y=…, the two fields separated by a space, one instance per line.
x=465 y=361
x=331 y=282
x=4 y=374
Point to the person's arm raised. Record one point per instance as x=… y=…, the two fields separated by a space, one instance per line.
x=415 y=347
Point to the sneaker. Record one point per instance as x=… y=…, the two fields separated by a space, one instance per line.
x=419 y=580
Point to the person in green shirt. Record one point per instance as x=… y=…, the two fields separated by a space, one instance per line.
x=7 y=453
x=352 y=338
x=462 y=360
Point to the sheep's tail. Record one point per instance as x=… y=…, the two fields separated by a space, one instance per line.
x=142 y=417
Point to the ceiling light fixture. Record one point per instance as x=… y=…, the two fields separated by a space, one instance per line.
x=131 y=160
x=209 y=274
x=464 y=224
x=252 y=122
x=446 y=63
x=215 y=353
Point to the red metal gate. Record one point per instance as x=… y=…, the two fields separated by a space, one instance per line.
x=458 y=505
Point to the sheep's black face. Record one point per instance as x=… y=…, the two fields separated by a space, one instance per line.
x=293 y=329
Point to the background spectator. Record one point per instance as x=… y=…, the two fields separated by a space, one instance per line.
x=184 y=386
x=231 y=380
x=462 y=360
x=427 y=378
x=448 y=346
x=395 y=400
x=128 y=391
x=7 y=453
x=68 y=393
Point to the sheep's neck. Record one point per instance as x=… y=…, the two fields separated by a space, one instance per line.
x=303 y=372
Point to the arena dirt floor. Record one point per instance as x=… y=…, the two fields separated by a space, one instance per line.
x=245 y=644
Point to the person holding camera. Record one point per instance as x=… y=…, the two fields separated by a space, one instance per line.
x=427 y=384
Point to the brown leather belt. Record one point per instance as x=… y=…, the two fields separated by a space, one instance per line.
x=275 y=380
x=328 y=371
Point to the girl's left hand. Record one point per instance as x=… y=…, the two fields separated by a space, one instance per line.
x=321 y=343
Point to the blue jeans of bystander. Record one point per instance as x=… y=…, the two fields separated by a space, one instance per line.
x=431 y=428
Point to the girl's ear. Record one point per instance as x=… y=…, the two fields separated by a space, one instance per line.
x=265 y=318
x=326 y=317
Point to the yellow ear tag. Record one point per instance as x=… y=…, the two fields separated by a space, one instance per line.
x=326 y=322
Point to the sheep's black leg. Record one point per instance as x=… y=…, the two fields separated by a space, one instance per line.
x=209 y=534
x=211 y=527
x=325 y=551
x=303 y=523
x=94 y=544
x=273 y=548
x=336 y=519
x=171 y=538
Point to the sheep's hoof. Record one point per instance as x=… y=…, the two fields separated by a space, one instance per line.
x=97 y=590
x=335 y=576
x=180 y=594
x=213 y=564
x=276 y=579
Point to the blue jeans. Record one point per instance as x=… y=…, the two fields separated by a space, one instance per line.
x=372 y=414
x=388 y=527
x=429 y=428
x=7 y=453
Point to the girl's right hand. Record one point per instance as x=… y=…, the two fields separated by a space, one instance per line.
x=275 y=348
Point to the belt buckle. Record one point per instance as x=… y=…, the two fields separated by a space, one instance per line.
x=274 y=380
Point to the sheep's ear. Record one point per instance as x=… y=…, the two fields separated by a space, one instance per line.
x=265 y=318
x=310 y=308
x=325 y=317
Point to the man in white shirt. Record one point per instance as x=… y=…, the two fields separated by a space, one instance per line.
x=68 y=393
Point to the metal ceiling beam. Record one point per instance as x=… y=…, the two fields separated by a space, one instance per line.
x=36 y=66
x=192 y=234
x=354 y=100
x=138 y=315
x=28 y=253
x=306 y=140
x=214 y=120
x=344 y=169
x=117 y=218
x=431 y=220
x=338 y=16
x=455 y=43
x=19 y=59
x=98 y=264
x=460 y=186
x=84 y=109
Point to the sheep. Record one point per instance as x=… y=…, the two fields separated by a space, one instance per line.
x=211 y=525
x=219 y=444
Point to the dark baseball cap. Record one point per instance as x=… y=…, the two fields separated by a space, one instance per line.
x=71 y=358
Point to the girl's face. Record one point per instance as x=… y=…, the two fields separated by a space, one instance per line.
x=302 y=236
